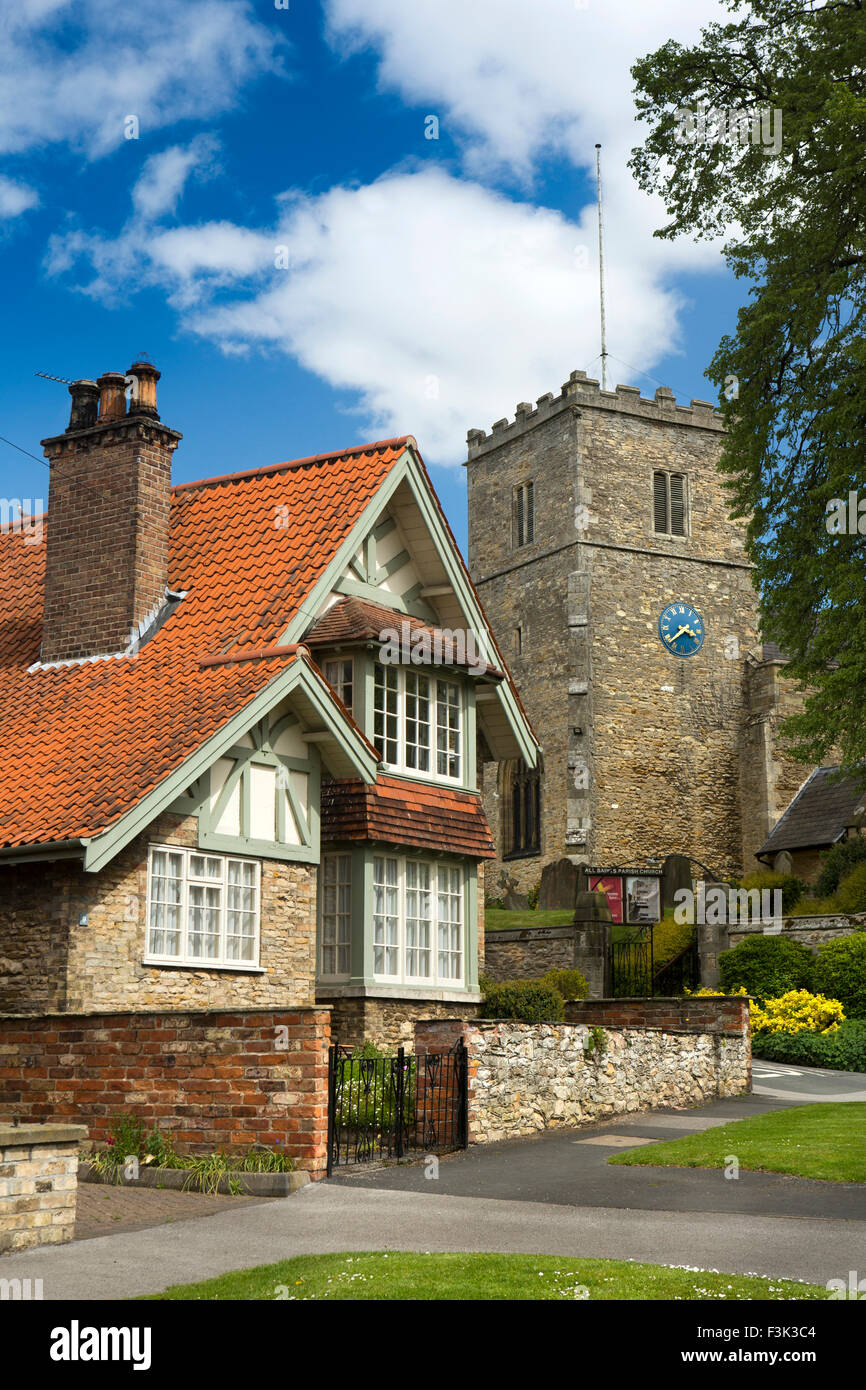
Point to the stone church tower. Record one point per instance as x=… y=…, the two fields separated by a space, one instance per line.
x=588 y=516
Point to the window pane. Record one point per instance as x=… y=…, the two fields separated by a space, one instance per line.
x=386 y=923
x=419 y=912
x=449 y=924
x=337 y=915
x=417 y=721
x=448 y=730
x=385 y=707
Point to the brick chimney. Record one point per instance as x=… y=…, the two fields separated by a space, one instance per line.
x=106 y=562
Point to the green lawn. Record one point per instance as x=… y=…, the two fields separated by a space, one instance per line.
x=497 y=917
x=398 y=1277
x=812 y=1141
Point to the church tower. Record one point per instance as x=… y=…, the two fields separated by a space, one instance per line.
x=619 y=590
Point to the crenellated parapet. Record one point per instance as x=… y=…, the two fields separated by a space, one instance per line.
x=582 y=391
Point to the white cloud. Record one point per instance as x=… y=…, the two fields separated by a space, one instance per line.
x=439 y=302
x=518 y=80
x=72 y=71
x=164 y=176
x=15 y=198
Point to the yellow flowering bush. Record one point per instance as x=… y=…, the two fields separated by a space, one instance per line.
x=715 y=993
x=796 y=1012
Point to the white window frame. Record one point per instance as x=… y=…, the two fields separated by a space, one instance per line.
x=431 y=773
x=337 y=944
x=434 y=868
x=185 y=958
x=340 y=683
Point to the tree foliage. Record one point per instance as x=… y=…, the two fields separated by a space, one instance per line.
x=792 y=222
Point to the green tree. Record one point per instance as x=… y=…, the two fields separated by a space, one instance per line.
x=792 y=377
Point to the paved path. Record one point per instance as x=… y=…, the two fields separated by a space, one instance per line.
x=335 y=1217
x=102 y=1209
x=552 y=1195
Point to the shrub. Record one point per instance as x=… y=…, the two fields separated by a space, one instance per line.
x=844 y=1050
x=532 y=896
x=796 y=1012
x=669 y=938
x=531 y=1001
x=766 y=966
x=851 y=893
x=570 y=983
x=792 y=887
x=840 y=971
x=838 y=862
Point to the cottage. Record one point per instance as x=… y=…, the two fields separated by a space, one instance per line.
x=219 y=789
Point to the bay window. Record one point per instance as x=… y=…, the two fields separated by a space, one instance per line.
x=417 y=921
x=202 y=909
x=336 y=915
x=418 y=722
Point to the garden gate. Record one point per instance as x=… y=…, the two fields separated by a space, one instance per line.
x=393 y=1107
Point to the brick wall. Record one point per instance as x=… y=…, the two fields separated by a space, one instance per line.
x=214 y=1079
x=52 y=961
x=107 y=534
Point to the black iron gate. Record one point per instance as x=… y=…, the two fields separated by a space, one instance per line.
x=394 y=1107
x=631 y=965
x=635 y=974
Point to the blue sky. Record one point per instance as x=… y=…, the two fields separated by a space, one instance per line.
x=309 y=269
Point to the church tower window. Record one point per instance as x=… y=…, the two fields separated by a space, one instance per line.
x=524 y=514
x=521 y=810
x=669 y=503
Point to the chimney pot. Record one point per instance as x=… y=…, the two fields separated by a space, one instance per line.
x=143 y=399
x=112 y=396
x=85 y=404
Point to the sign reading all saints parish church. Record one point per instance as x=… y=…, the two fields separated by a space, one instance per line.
x=633 y=895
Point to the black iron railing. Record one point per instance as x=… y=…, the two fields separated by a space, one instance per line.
x=393 y=1107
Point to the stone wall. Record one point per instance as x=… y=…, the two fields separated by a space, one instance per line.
x=213 y=1079
x=770 y=776
x=389 y=1023
x=53 y=961
x=525 y=953
x=641 y=748
x=809 y=931
x=527 y=1077
x=38 y=1184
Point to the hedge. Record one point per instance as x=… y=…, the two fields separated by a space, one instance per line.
x=844 y=1050
x=767 y=966
x=840 y=971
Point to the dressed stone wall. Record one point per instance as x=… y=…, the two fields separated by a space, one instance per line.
x=38 y=1184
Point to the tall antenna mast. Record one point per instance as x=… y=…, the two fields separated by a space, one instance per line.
x=601 y=270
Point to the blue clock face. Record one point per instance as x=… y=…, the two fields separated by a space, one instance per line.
x=681 y=629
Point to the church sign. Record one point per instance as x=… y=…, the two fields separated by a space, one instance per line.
x=632 y=894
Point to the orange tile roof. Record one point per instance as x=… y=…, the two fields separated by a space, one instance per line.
x=83 y=743
x=400 y=812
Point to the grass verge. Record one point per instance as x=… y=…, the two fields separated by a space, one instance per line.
x=395 y=1276
x=811 y=1141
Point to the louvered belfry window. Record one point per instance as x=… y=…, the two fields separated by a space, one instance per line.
x=524 y=518
x=669 y=503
